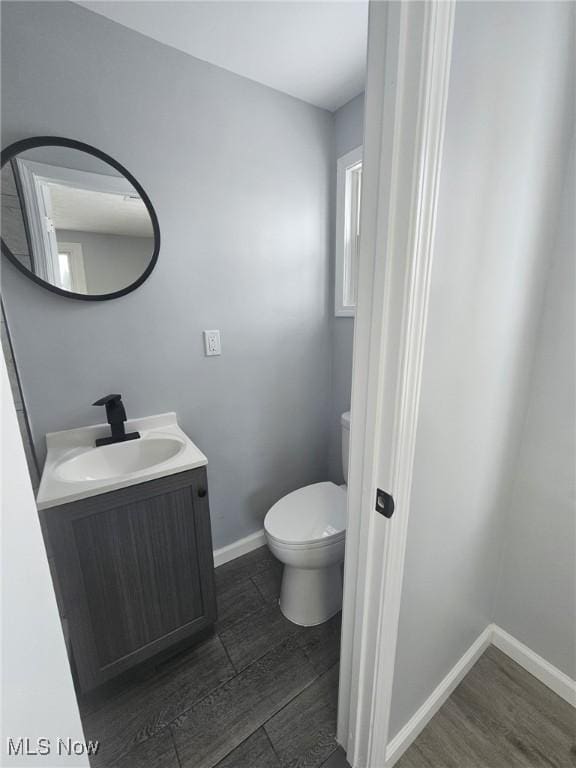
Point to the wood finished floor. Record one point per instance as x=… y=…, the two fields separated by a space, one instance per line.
x=260 y=693
x=500 y=716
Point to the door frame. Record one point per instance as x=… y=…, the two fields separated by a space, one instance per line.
x=409 y=56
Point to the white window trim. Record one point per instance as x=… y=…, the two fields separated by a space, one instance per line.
x=346 y=164
x=76 y=261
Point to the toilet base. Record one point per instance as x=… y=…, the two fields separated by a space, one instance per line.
x=311 y=596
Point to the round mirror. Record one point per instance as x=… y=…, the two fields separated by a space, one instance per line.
x=74 y=220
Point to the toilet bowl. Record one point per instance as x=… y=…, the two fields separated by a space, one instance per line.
x=306 y=531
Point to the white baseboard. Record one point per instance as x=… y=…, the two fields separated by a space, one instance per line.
x=542 y=670
x=552 y=677
x=239 y=548
x=422 y=717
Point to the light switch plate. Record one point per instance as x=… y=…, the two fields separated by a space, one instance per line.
x=212 y=343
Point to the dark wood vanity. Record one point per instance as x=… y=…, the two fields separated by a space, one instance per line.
x=134 y=571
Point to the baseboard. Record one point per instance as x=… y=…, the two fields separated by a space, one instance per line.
x=542 y=670
x=239 y=548
x=442 y=692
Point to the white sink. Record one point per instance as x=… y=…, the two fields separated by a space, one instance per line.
x=109 y=461
x=76 y=469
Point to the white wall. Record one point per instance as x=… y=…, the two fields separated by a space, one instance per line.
x=536 y=595
x=505 y=150
x=239 y=175
x=37 y=693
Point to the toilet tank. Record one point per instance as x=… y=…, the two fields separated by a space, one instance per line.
x=345 y=422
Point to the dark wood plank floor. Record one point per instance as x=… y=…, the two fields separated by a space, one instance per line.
x=500 y=716
x=260 y=693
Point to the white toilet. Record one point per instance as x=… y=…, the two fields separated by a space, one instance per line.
x=306 y=531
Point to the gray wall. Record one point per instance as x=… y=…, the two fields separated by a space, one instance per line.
x=240 y=177
x=348 y=134
x=505 y=150
x=536 y=596
x=111 y=262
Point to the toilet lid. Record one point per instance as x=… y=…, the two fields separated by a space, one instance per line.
x=309 y=514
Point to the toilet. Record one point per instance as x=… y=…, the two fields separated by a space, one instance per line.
x=306 y=531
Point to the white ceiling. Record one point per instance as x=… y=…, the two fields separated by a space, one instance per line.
x=86 y=210
x=314 y=50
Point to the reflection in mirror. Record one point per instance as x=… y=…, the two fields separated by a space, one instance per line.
x=74 y=221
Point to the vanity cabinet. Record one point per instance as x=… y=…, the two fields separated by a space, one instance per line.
x=135 y=571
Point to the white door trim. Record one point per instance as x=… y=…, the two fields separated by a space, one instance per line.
x=38 y=213
x=409 y=54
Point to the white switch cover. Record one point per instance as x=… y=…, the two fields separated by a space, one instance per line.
x=212 y=343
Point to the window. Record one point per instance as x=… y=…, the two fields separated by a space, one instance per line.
x=348 y=194
x=65 y=271
x=71 y=274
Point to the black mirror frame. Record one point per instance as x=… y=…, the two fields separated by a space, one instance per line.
x=57 y=141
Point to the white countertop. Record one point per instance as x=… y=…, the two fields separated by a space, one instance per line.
x=72 y=443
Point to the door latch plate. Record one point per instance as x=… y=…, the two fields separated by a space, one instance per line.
x=384 y=503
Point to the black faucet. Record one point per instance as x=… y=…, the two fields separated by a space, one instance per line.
x=116 y=415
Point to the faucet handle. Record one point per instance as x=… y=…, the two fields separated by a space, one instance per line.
x=116 y=415
x=108 y=399
x=115 y=411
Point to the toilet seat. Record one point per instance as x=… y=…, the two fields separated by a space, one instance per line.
x=310 y=517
